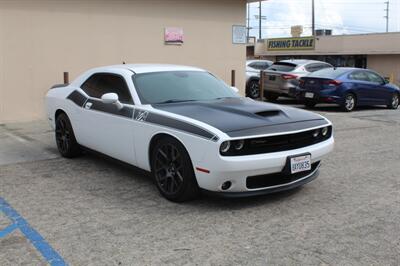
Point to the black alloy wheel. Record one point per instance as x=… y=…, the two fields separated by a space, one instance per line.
x=173 y=171
x=65 y=138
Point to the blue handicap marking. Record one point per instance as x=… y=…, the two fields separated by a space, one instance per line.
x=18 y=222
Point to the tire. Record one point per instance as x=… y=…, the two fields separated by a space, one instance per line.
x=350 y=102
x=394 y=101
x=309 y=104
x=253 y=89
x=271 y=96
x=172 y=170
x=65 y=138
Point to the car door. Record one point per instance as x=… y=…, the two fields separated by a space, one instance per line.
x=363 y=87
x=108 y=129
x=379 y=92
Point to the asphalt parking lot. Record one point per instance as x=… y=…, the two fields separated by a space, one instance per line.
x=94 y=211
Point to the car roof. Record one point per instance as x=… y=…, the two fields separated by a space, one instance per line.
x=301 y=61
x=257 y=60
x=148 y=68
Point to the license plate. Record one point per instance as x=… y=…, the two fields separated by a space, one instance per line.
x=309 y=95
x=272 y=77
x=300 y=164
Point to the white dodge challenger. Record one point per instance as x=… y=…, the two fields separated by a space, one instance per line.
x=191 y=130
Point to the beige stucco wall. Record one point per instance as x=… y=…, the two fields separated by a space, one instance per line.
x=40 y=39
x=387 y=65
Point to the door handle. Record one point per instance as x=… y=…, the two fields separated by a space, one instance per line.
x=88 y=105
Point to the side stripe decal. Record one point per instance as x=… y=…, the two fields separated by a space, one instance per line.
x=78 y=98
x=140 y=115
x=180 y=125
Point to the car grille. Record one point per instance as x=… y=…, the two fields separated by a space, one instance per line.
x=269 y=180
x=280 y=143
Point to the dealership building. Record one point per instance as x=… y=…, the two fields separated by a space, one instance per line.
x=41 y=39
x=378 y=51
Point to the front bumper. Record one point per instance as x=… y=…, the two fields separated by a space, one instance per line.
x=268 y=190
x=237 y=170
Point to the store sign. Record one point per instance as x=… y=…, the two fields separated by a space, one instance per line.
x=173 y=36
x=279 y=44
x=239 y=34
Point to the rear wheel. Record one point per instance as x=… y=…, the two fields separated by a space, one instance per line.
x=173 y=171
x=394 y=102
x=310 y=104
x=349 y=102
x=65 y=137
x=271 y=96
x=253 y=89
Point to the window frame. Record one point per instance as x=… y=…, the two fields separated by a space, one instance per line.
x=131 y=102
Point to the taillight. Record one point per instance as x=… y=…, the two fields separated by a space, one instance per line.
x=333 y=82
x=289 y=76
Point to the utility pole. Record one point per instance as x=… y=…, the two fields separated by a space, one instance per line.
x=313 y=18
x=387 y=15
x=259 y=21
x=248 y=21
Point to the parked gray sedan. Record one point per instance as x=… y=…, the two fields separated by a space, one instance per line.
x=282 y=78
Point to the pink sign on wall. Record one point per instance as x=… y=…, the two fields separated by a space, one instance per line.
x=173 y=35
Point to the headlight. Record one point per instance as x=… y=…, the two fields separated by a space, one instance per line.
x=225 y=146
x=315 y=133
x=324 y=131
x=238 y=145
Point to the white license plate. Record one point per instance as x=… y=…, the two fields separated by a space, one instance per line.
x=300 y=164
x=309 y=95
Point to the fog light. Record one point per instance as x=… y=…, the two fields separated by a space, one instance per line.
x=225 y=146
x=226 y=185
x=239 y=145
x=315 y=133
x=324 y=131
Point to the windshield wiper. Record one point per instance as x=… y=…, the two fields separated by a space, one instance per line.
x=175 y=101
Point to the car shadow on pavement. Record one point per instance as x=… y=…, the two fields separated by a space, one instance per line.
x=138 y=178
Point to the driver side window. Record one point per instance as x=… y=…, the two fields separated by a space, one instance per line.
x=101 y=83
x=375 y=78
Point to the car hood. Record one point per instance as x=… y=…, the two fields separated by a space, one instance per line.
x=244 y=116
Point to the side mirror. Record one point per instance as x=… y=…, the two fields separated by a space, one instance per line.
x=112 y=98
x=235 y=89
x=386 y=81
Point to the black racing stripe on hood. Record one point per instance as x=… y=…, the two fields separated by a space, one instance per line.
x=179 y=125
x=240 y=117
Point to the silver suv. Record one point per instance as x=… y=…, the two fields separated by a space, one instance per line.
x=282 y=78
x=253 y=68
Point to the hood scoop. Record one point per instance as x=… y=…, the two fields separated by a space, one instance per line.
x=268 y=113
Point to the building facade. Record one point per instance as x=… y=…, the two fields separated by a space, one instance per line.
x=379 y=51
x=40 y=39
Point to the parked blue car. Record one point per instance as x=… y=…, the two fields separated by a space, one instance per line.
x=347 y=87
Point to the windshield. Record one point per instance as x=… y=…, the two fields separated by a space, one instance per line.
x=282 y=66
x=180 y=86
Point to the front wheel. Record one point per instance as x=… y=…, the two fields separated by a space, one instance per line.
x=394 y=102
x=349 y=103
x=173 y=171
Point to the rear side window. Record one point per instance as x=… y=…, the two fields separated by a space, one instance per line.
x=316 y=66
x=101 y=83
x=282 y=66
x=259 y=65
x=328 y=73
x=359 y=75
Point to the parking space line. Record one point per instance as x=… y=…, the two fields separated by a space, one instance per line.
x=51 y=256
